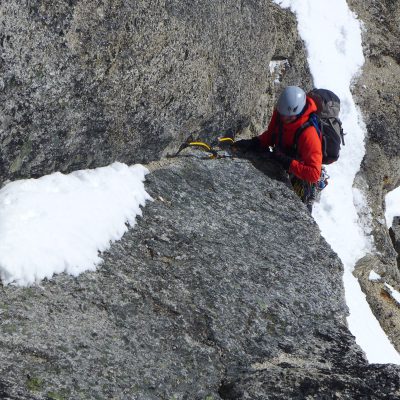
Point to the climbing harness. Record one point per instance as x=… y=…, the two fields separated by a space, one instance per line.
x=310 y=192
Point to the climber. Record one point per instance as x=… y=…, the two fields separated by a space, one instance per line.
x=303 y=161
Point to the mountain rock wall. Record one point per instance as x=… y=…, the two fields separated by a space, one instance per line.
x=203 y=300
x=84 y=83
x=225 y=289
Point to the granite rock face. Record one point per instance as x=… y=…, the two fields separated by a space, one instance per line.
x=85 y=83
x=203 y=299
x=288 y=66
x=225 y=288
x=377 y=93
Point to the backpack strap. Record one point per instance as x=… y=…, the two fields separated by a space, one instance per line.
x=298 y=134
x=313 y=121
x=339 y=122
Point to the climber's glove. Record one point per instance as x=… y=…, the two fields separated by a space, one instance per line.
x=245 y=145
x=282 y=159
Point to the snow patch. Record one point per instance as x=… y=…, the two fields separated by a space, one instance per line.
x=60 y=223
x=394 y=294
x=374 y=277
x=392 y=206
x=277 y=69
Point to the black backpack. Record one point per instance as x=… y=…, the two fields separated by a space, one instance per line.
x=327 y=123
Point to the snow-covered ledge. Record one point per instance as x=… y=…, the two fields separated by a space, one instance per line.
x=60 y=223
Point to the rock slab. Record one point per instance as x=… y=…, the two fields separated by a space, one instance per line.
x=86 y=83
x=224 y=290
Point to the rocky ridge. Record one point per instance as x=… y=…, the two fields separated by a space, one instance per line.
x=225 y=289
x=197 y=302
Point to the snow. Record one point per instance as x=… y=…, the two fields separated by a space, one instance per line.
x=374 y=277
x=392 y=202
x=332 y=34
x=393 y=293
x=277 y=68
x=60 y=223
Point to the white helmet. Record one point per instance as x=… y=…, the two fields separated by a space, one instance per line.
x=291 y=101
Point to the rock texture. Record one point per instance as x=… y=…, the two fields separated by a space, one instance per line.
x=288 y=66
x=204 y=299
x=377 y=92
x=225 y=288
x=85 y=83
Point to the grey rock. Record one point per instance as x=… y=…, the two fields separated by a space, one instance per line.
x=382 y=303
x=85 y=83
x=224 y=290
x=395 y=234
x=290 y=56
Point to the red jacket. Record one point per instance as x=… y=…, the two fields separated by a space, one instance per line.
x=308 y=163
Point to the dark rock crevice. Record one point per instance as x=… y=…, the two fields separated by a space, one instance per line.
x=394 y=234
